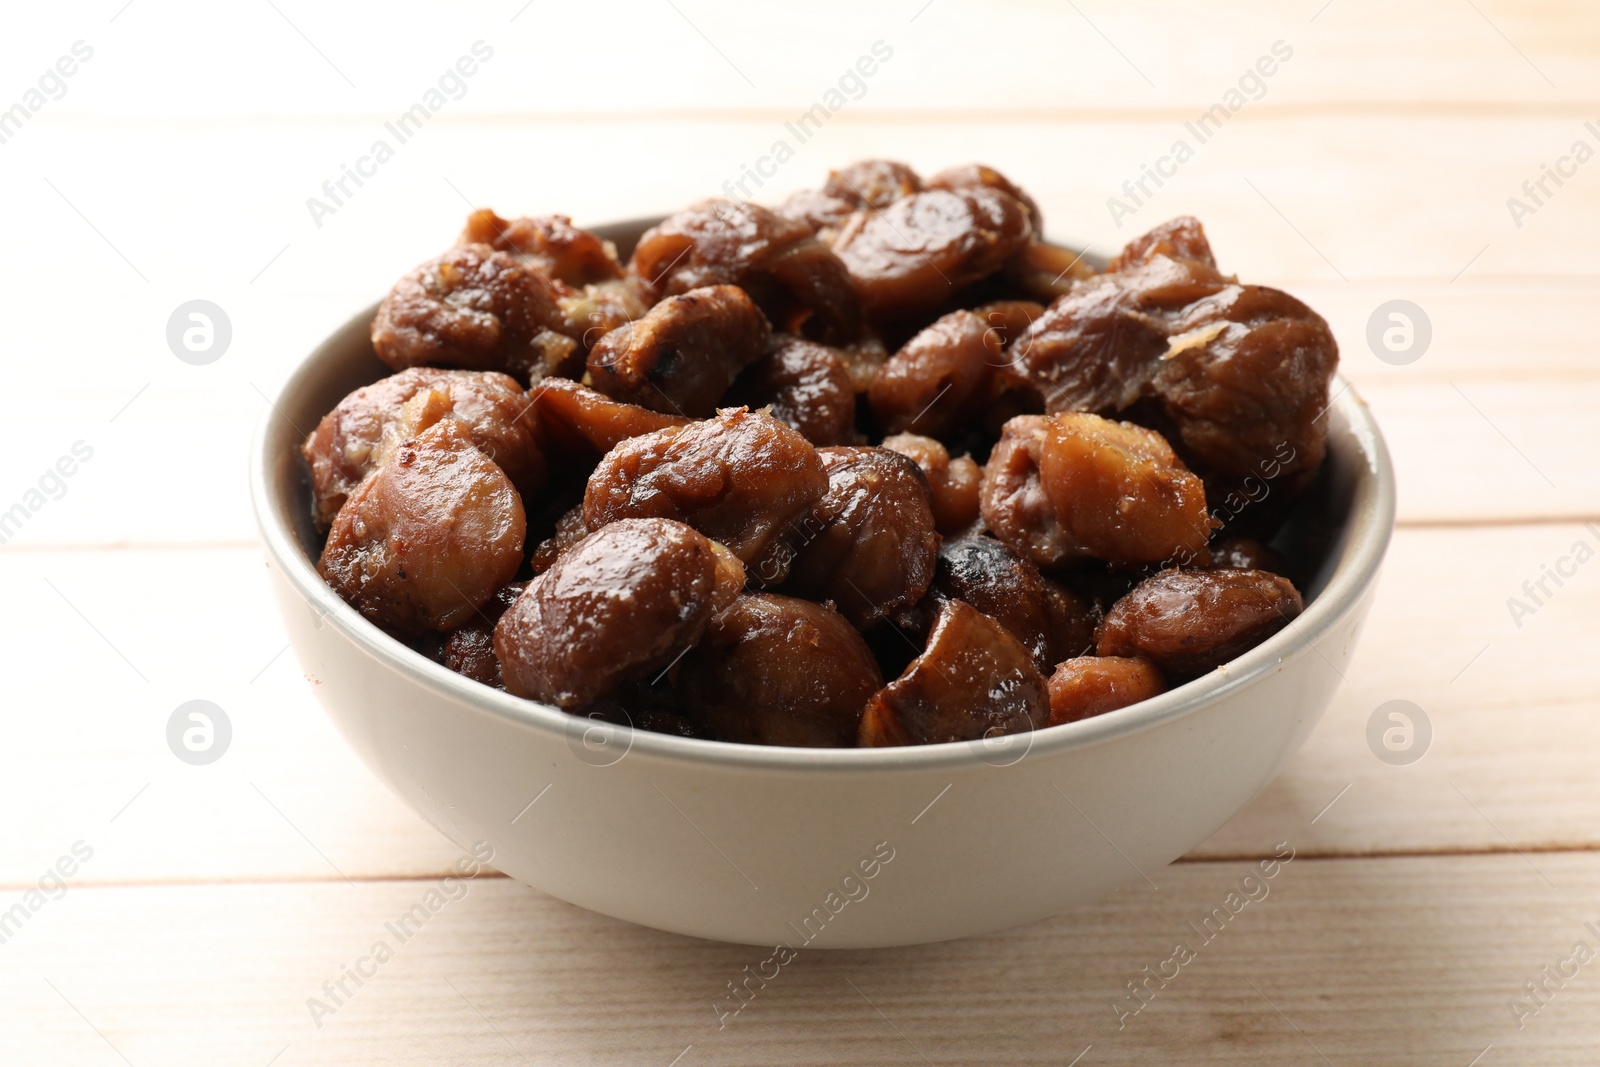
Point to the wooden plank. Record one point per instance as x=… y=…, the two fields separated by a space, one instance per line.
x=1513 y=709
x=1403 y=962
x=1491 y=450
x=1483 y=331
x=115 y=642
x=1277 y=196
x=306 y=62
x=1513 y=700
x=1384 y=153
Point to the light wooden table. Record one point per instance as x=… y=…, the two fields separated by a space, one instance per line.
x=216 y=900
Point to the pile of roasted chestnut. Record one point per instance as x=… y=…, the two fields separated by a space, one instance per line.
x=880 y=467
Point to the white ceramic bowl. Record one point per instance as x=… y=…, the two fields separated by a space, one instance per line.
x=844 y=848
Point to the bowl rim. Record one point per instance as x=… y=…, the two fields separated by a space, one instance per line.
x=1367 y=533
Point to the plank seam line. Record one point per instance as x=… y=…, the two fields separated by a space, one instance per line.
x=433 y=876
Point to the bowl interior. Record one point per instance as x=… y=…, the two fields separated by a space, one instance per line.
x=1337 y=534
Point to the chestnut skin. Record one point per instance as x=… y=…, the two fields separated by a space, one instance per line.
x=872 y=184
x=578 y=425
x=1191 y=622
x=975 y=175
x=794 y=278
x=940 y=380
x=567 y=253
x=974 y=680
x=953 y=483
x=476 y=308
x=428 y=538
x=1052 y=622
x=1012 y=497
x=615 y=608
x=1060 y=488
x=741 y=478
x=1239 y=373
x=1245 y=380
x=914 y=255
x=1086 y=686
x=360 y=433
x=776 y=670
x=1248 y=554
x=1120 y=492
x=869 y=543
x=682 y=356
x=803 y=384
x=1098 y=345
x=1179 y=238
